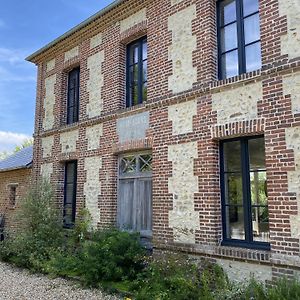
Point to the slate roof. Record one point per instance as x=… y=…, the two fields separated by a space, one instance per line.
x=19 y=160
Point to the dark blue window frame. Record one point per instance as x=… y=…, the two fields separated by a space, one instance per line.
x=70 y=180
x=241 y=44
x=248 y=241
x=139 y=65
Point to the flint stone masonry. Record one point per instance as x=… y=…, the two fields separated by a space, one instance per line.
x=183 y=184
x=93 y=135
x=291 y=41
x=133 y=128
x=92 y=187
x=291 y=85
x=71 y=53
x=95 y=84
x=181 y=50
x=133 y=20
x=181 y=116
x=237 y=104
x=47 y=144
x=96 y=40
x=241 y=272
x=46 y=171
x=68 y=141
x=49 y=102
x=50 y=65
x=293 y=142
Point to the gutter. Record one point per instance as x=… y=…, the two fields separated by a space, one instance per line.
x=74 y=29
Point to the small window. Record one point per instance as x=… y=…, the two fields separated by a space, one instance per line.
x=70 y=194
x=73 y=96
x=244 y=193
x=239 y=37
x=12 y=195
x=136 y=72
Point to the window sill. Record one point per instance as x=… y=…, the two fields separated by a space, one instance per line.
x=244 y=244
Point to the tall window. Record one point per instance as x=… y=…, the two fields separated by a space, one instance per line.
x=136 y=72
x=70 y=193
x=239 y=37
x=12 y=195
x=244 y=193
x=73 y=96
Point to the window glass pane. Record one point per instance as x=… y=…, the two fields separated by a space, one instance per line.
x=69 y=193
x=145 y=70
x=232 y=156
x=128 y=165
x=134 y=95
x=234 y=189
x=145 y=50
x=257 y=154
x=228 y=11
x=229 y=37
x=145 y=91
x=253 y=57
x=250 y=6
x=260 y=224
x=235 y=223
x=258 y=188
x=230 y=64
x=252 y=29
x=134 y=54
x=145 y=163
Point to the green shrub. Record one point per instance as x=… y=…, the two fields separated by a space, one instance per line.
x=174 y=276
x=40 y=233
x=110 y=255
x=284 y=289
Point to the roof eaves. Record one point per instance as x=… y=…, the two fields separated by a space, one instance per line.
x=16 y=168
x=74 y=29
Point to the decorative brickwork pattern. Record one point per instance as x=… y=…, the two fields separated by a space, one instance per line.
x=49 y=102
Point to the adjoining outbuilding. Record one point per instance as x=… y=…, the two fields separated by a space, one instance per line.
x=15 y=179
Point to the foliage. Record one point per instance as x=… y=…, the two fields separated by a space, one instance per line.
x=26 y=143
x=174 y=276
x=40 y=233
x=108 y=255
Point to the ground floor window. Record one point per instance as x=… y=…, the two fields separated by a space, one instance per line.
x=70 y=193
x=244 y=193
x=135 y=193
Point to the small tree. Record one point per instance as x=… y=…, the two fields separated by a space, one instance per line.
x=41 y=231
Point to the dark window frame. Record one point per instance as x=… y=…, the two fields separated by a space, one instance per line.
x=241 y=45
x=139 y=42
x=71 y=225
x=245 y=169
x=74 y=104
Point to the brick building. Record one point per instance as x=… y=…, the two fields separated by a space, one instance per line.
x=15 y=179
x=180 y=119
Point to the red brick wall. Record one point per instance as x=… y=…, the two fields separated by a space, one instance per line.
x=274 y=115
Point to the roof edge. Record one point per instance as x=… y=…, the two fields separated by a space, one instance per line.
x=78 y=27
x=16 y=168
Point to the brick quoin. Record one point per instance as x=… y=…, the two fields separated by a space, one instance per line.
x=191 y=116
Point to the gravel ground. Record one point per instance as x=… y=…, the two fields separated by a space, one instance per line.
x=17 y=284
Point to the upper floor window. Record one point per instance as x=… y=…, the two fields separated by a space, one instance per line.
x=136 y=72
x=244 y=193
x=239 y=37
x=73 y=96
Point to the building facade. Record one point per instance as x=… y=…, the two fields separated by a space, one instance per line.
x=15 y=180
x=180 y=119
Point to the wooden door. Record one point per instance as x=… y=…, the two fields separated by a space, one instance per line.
x=135 y=193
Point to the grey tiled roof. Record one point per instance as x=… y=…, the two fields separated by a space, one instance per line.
x=19 y=160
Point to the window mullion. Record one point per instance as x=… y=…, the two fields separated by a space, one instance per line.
x=246 y=191
x=241 y=40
